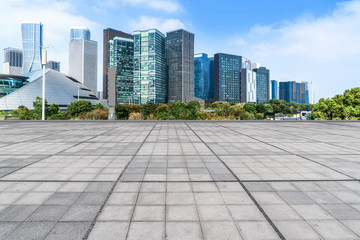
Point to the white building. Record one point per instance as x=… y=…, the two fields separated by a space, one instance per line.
x=248 y=86
x=83 y=62
x=13 y=61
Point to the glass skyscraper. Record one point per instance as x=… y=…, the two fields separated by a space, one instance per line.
x=262 y=85
x=274 y=89
x=149 y=67
x=121 y=57
x=293 y=92
x=227 y=77
x=202 y=76
x=13 y=60
x=80 y=32
x=32 y=39
x=180 y=64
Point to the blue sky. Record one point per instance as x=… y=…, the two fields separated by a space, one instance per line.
x=301 y=40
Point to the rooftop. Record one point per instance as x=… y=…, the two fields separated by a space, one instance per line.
x=179 y=180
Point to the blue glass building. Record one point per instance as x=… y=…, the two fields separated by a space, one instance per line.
x=293 y=92
x=121 y=57
x=211 y=74
x=262 y=85
x=149 y=67
x=77 y=33
x=227 y=77
x=274 y=89
x=32 y=39
x=202 y=76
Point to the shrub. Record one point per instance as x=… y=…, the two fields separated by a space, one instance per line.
x=135 y=116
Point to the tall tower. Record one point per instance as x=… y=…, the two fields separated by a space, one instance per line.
x=180 y=64
x=32 y=39
x=79 y=32
x=149 y=67
x=83 y=62
x=13 y=60
x=109 y=34
x=262 y=84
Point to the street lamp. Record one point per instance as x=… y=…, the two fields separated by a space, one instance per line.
x=44 y=61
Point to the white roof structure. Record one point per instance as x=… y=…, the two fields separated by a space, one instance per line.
x=60 y=89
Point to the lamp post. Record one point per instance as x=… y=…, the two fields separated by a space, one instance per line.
x=44 y=61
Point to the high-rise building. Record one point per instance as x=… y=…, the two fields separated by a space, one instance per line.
x=262 y=85
x=83 y=62
x=149 y=67
x=32 y=39
x=274 y=89
x=227 y=76
x=121 y=57
x=79 y=32
x=180 y=65
x=248 y=86
x=212 y=77
x=202 y=76
x=109 y=34
x=255 y=65
x=13 y=60
x=54 y=65
x=293 y=92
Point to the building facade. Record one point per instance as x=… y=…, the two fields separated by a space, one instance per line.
x=54 y=65
x=150 y=83
x=13 y=60
x=293 y=92
x=80 y=32
x=32 y=40
x=121 y=57
x=109 y=34
x=202 y=76
x=180 y=65
x=274 y=89
x=10 y=83
x=248 y=86
x=262 y=85
x=83 y=62
x=227 y=77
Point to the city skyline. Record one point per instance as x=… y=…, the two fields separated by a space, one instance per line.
x=244 y=39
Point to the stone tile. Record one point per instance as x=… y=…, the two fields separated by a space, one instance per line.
x=68 y=231
x=151 y=198
x=181 y=213
x=332 y=229
x=62 y=198
x=312 y=212
x=33 y=198
x=6 y=228
x=220 y=230
x=208 y=198
x=109 y=231
x=183 y=230
x=342 y=211
x=80 y=213
x=116 y=213
x=257 y=230
x=298 y=230
x=149 y=214
x=31 y=231
x=213 y=213
x=91 y=199
x=295 y=198
x=48 y=213
x=245 y=212
x=280 y=212
x=146 y=230
x=17 y=212
x=122 y=199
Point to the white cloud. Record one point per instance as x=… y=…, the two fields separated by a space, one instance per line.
x=56 y=16
x=323 y=50
x=240 y=42
x=163 y=25
x=170 y=6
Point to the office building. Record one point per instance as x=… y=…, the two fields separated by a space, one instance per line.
x=80 y=32
x=248 y=86
x=83 y=62
x=60 y=89
x=227 y=77
x=180 y=65
x=149 y=67
x=54 y=65
x=121 y=57
x=262 y=84
x=293 y=92
x=274 y=89
x=109 y=34
x=202 y=76
x=10 y=83
x=13 y=60
x=32 y=40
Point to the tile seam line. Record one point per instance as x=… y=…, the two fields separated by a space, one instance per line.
x=93 y=222
x=299 y=155
x=272 y=224
x=51 y=155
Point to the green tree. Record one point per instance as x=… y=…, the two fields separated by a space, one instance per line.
x=79 y=107
x=37 y=104
x=99 y=106
x=250 y=108
x=122 y=112
x=148 y=108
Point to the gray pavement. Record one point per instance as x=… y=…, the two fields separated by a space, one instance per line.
x=179 y=180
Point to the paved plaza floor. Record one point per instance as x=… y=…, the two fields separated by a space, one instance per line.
x=179 y=180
